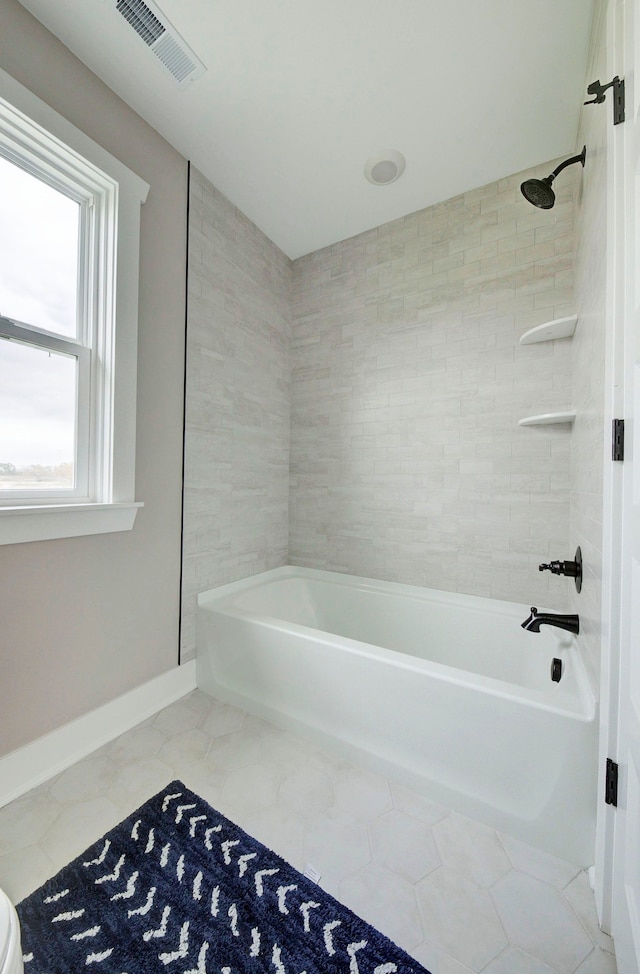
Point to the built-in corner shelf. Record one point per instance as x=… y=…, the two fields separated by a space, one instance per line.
x=550 y=330
x=548 y=419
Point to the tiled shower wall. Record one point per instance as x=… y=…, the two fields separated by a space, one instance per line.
x=407 y=461
x=588 y=348
x=238 y=401
x=405 y=380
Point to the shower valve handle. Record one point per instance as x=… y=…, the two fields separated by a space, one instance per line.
x=560 y=568
x=571 y=568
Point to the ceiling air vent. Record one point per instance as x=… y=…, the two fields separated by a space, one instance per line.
x=159 y=35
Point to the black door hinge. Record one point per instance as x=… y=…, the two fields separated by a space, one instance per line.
x=618 y=102
x=611 y=783
x=595 y=88
x=617 y=439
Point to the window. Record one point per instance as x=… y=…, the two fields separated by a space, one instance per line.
x=48 y=275
x=69 y=238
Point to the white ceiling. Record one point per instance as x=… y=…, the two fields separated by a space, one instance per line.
x=298 y=94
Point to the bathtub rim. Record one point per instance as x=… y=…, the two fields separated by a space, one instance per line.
x=221 y=599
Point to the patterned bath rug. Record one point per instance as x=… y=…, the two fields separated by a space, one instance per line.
x=178 y=888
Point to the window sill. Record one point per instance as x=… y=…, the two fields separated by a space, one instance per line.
x=46 y=522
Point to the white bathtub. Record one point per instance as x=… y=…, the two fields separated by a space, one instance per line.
x=444 y=691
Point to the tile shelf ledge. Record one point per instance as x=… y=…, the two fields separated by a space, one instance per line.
x=548 y=419
x=550 y=330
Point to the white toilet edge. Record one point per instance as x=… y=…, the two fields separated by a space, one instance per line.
x=10 y=946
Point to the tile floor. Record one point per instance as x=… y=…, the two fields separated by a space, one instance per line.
x=455 y=894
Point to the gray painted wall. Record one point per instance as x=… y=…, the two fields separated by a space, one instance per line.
x=86 y=619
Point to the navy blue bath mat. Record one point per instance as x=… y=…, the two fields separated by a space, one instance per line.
x=178 y=888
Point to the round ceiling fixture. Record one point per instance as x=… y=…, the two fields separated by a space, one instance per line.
x=384 y=167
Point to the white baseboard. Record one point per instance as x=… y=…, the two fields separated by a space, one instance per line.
x=49 y=755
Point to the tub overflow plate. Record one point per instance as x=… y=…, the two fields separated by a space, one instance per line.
x=556 y=669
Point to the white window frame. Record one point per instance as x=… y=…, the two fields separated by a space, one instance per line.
x=39 y=139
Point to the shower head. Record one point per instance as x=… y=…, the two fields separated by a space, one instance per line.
x=539 y=191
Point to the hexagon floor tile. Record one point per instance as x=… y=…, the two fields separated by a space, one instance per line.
x=460 y=897
x=539 y=919
x=459 y=916
x=404 y=845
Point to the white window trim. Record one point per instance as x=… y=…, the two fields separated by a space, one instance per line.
x=114 y=507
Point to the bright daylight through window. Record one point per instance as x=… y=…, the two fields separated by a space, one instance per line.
x=69 y=245
x=41 y=295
